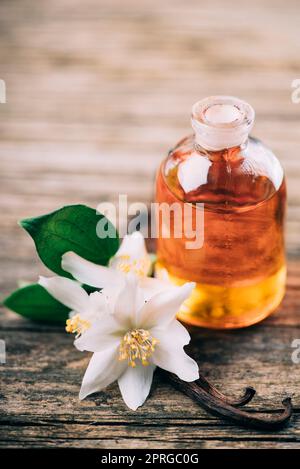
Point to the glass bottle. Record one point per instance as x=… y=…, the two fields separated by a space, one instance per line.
x=237 y=185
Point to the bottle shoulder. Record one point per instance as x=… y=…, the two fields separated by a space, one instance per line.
x=235 y=177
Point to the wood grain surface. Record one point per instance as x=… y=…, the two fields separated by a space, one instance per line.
x=97 y=92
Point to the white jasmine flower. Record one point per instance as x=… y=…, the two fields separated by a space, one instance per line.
x=131 y=257
x=136 y=338
x=84 y=308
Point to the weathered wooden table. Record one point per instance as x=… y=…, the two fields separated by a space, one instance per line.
x=96 y=94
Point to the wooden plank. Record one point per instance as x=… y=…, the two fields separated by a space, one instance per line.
x=39 y=408
x=259 y=356
x=183 y=436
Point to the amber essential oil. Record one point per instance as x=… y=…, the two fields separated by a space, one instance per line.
x=240 y=268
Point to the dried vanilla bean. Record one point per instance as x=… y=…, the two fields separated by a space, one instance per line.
x=214 y=402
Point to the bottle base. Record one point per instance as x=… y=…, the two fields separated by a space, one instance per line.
x=234 y=307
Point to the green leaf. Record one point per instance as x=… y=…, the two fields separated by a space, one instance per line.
x=35 y=303
x=72 y=228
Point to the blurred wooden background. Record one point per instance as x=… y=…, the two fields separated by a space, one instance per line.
x=97 y=92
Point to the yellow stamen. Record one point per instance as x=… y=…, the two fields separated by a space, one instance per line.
x=140 y=267
x=137 y=344
x=77 y=325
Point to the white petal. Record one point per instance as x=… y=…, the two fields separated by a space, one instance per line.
x=135 y=385
x=151 y=286
x=132 y=245
x=111 y=294
x=162 y=274
x=170 y=356
x=104 y=368
x=98 y=304
x=67 y=291
x=89 y=273
x=162 y=308
x=129 y=303
x=175 y=330
x=103 y=333
x=133 y=255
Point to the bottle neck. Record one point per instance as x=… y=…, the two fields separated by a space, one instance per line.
x=225 y=154
x=221 y=122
